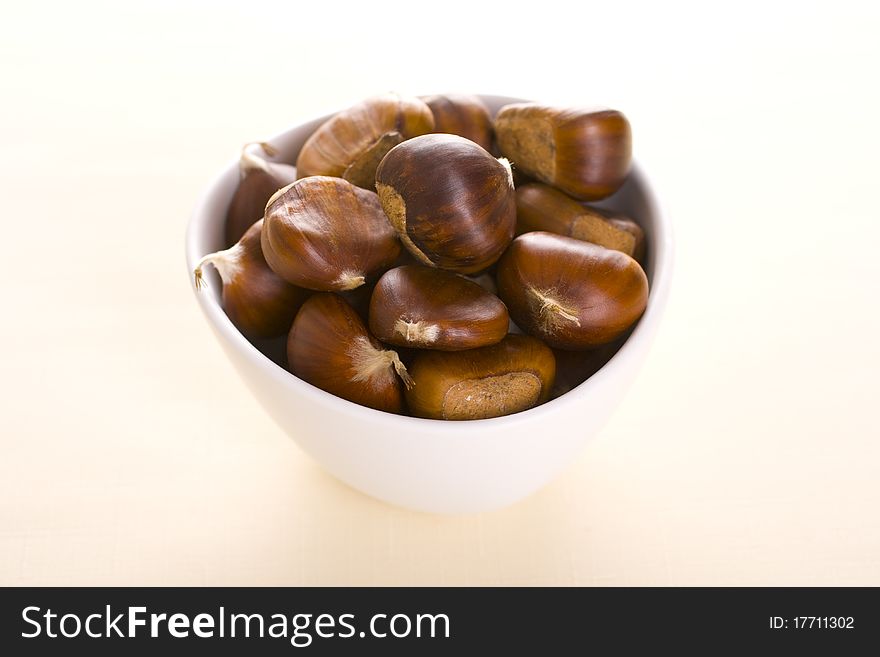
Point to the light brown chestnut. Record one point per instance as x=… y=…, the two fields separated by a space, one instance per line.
x=258 y=301
x=541 y=207
x=504 y=378
x=258 y=180
x=422 y=307
x=330 y=347
x=571 y=294
x=450 y=201
x=462 y=115
x=326 y=234
x=351 y=144
x=585 y=153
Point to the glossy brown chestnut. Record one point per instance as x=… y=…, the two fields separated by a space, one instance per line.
x=585 y=153
x=259 y=302
x=326 y=234
x=571 y=294
x=462 y=115
x=504 y=378
x=541 y=207
x=330 y=347
x=422 y=307
x=450 y=201
x=258 y=180
x=351 y=144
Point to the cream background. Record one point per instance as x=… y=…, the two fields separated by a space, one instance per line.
x=746 y=453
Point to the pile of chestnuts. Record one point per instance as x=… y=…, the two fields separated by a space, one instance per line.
x=427 y=259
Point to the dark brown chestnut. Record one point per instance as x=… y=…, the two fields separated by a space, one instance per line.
x=423 y=307
x=585 y=153
x=450 y=201
x=504 y=378
x=259 y=302
x=571 y=294
x=541 y=207
x=462 y=115
x=326 y=234
x=351 y=144
x=330 y=347
x=258 y=180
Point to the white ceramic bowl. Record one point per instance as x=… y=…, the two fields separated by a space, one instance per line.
x=433 y=465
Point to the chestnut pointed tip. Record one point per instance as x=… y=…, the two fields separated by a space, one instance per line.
x=227 y=263
x=509 y=168
x=402 y=372
x=249 y=160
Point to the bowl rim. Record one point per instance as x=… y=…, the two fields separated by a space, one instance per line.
x=662 y=263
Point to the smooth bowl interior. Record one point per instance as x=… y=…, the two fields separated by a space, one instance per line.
x=432 y=465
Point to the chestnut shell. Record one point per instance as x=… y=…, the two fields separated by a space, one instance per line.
x=541 y=207
x=321 y=349
x=255 y=187
x=571 y=294
x=510 y=376
x=423 y=307
x=462 y=115
x=326 y=234
x=351 y=143
x=451 y=202
x=585 y=153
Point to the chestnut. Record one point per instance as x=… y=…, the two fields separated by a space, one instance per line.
x=450 y=201
x=330 y=347
x=510 y=376
x=585 y=153
x=257 y=301
x=422 y=307
x=351 y=144
x=326 y=234
x=572 y=294
x=541 y=207
x=462 y=115
x=258 y=180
